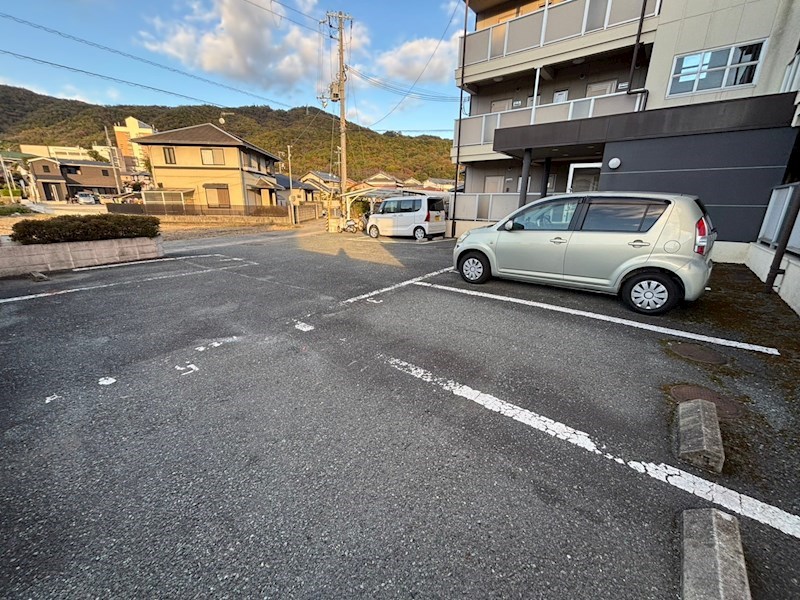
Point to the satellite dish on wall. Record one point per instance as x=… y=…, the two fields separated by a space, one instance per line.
x=221 y=121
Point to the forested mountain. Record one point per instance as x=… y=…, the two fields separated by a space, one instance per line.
x=30 y=118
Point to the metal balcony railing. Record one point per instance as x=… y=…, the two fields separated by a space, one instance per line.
x=552 y=24
x=480 y=129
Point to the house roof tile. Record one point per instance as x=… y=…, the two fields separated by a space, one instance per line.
x=206 y=134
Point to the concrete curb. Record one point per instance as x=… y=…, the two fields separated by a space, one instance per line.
x=699 y=438
x=713 y=566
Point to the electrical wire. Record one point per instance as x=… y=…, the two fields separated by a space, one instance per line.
x=439 y=43
x=400 y=86
x=138 y=58
x=405 y=92
x=269 y=10
x=108 y=78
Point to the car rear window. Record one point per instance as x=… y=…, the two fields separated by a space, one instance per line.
x=436 y=204
x=622 y=216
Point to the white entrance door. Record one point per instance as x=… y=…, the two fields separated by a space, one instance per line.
x=584 y=177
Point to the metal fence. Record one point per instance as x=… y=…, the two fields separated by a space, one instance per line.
x=776 y=214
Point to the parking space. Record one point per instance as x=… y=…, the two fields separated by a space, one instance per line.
x=304 y=415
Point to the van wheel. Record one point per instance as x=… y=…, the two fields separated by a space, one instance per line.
x=419 y=234
x=373 y=232
x=474 y=267
x=650 y=293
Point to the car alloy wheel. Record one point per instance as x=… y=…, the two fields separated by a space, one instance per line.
x=419 y=234
x=373 y=231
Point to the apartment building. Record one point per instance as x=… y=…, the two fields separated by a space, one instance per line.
x=134 y=158
x=695 y=97
x=207 y=170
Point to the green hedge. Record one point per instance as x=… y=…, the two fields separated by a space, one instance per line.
x=86 y=228
x=10 y=209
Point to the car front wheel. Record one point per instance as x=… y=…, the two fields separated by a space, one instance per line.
x=474 y=267
x=650 y=293
x=373 y=232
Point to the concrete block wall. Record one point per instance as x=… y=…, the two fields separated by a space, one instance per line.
x=759 y=259
x=18 y=259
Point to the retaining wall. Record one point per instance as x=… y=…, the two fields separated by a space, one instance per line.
x=19 y=259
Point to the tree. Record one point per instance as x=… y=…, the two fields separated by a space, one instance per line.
x=97 y=156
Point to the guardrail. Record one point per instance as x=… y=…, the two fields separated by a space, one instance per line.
x=480 y=128
x=776 y=213
x=562 y=21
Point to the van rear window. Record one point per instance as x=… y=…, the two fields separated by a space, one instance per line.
x=436 y=204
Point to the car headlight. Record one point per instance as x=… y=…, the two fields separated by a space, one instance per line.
x=462 y=237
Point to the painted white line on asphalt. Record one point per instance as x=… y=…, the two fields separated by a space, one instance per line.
x=106 y=380
x=599 y=317
x=143 y=262
x=397 y=285
x=303 y=326
x=180 y=246
x=115 y=284
x=697 y=486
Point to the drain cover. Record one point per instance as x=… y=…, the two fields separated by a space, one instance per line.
x=699 y=353
x=727 y=409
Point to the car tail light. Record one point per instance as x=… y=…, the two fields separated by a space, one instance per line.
x=428 y=217
x=701 y=236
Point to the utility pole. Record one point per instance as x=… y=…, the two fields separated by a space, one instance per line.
x=291 y=189
x=338 y=90
x=112 y=154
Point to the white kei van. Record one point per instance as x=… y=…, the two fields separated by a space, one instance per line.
x=418 y=216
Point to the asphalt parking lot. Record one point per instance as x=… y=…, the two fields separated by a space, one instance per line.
x=313 y=415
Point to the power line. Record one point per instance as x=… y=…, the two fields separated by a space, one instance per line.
x=298 y=23
x=293 y=9
x=137 y=58
x=402 y=91
x=108 y=77
x=439 y=43
x=399 y=86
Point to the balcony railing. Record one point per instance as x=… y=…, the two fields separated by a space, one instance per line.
x=480 y=129
x=552 y=24
x=487 y=207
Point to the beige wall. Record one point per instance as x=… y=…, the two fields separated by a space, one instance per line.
x=190 y=173
x=693 y=25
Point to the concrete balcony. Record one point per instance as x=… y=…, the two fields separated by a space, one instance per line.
x=477 y=133
x=568 y=28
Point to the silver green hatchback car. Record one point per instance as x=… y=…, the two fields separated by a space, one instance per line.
x=650 y=249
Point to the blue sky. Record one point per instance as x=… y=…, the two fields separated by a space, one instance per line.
x=263 y=47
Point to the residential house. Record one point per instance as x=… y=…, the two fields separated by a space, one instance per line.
x=442 y=185
x=292 y=191
x=209 y=171
x=60 y=180
x=134 y=159
x=579 y=95
x=57 y=152
x=326 y=184
x=381 y=179
x=412 y=182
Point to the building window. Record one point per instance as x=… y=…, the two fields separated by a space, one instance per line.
x=217 y=195
x=169 y=156
x=560 y=96
x=72 y=170
x=104 y=172
x=716 y=69
x=212 y=156
x=46 y=168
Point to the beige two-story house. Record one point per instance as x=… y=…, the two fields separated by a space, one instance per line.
x=208 y=170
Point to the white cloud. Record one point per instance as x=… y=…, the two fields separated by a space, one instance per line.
x=113 y=94
x=240 y=41
x=306 y=5
x=407 y=61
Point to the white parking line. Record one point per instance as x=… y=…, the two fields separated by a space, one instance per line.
x=697 y=486
x=115 y=284
x=599 y=317
x=397 y=285
x=144 y=262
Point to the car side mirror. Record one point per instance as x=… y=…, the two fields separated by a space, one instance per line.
x=509 y=226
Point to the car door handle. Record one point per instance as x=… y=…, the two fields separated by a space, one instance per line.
x=638 y=243
x=559 y=240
